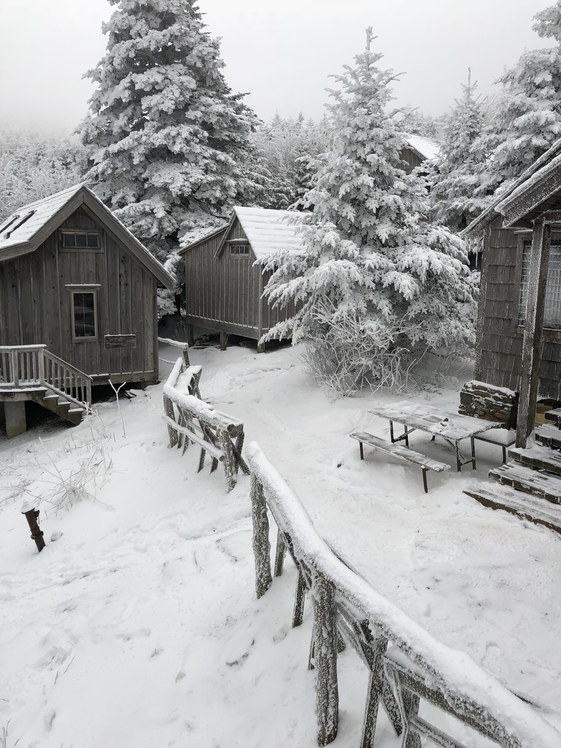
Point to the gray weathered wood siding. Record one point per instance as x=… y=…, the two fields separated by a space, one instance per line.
x=411 y=159
x=35 y=304
x=499 y=338
x=223 y=293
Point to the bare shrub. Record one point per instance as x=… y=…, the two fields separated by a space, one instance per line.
x=348 y=352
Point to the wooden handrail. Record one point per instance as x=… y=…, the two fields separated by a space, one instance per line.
x=416 y=667
x=32 y=366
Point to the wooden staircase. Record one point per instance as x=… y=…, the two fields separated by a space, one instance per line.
x=34 y=373
x=530 y=484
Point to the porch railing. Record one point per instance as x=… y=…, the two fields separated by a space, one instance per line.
x=30 y=366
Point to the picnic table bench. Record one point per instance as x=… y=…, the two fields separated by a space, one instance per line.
x=404 y=453
x=451 y=427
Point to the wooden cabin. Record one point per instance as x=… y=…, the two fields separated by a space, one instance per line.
x=418 y=150
x=224 y=276
x=77 y=305
x=519 y=321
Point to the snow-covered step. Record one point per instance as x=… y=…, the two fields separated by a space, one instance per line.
x=548 y=435
x=537 y=457
x=525 y=506
x=544 y=485
x=554 y=416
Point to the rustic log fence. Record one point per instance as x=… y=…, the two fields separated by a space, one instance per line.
x=192 y=421
x=407 y=665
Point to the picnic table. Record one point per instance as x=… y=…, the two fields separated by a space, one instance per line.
x=451 y=427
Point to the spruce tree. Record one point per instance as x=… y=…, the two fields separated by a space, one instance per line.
x=166 y=136
x=526 y=117
x=377 y=285
x=457 y=177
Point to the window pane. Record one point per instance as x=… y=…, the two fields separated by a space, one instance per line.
x=81 y=240
x=93 y=240
x=84 y=314
x=68 y=240
x=552 y=314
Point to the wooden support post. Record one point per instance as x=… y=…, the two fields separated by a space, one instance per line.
x=230 y=462
x=32 y=517
x=223 y=341
x=533 y=327
x=261 y=544
x=280 y=554
x=299 y=600
x=374 y=685
x=172 y=433
x=411 y=707
x=186 y=362
x=260 y=347
x=325 y=659
x=15 y=421
x=190 y=336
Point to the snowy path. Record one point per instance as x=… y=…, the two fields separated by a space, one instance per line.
x=139 y=625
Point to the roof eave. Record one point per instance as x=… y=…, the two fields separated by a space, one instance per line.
x=203 y=239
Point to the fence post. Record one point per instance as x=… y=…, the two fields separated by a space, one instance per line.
x=325 y=657
x=168 y=410
x=230 y=470
x=261 y=544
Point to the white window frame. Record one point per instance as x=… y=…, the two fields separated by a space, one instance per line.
x=74 y=290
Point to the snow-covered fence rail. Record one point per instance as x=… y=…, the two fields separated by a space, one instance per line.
x=177 y=344
x=192 y=421
x=406 y=663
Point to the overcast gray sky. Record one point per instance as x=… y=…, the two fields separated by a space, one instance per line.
x=281 y=53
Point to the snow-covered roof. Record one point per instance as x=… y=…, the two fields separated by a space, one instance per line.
x=425 y=147
x=24 y=231
x=268 y=230
x=541 y=168
x=26 y=222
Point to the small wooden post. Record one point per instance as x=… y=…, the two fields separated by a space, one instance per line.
x=190 y=336
x=230 y=465
x=411 y=707
x=172 y=433
x=261 y=544
x=533 y=327
x=186 y=362
x=32 y=515
x=325 y=656
x=375 y=683
x=223 y=341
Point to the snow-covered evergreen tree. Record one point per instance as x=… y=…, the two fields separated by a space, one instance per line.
x=287 y=146
x=375 y=276
x=167 y=138
x=33 y=166
x=526 y=116
x=456 y=182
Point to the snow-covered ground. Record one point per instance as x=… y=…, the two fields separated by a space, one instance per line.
x=138 y=623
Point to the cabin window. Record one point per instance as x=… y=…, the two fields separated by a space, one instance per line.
x=84 y=315
x=239 y=250
x=80 y=240
x=552 y=313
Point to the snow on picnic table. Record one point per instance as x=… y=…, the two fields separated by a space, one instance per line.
x=139 y=625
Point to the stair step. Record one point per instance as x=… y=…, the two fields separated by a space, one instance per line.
x=548 y=435
x=523 y=505
x=537 y=457
x=554 y=416
x=544 y=485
